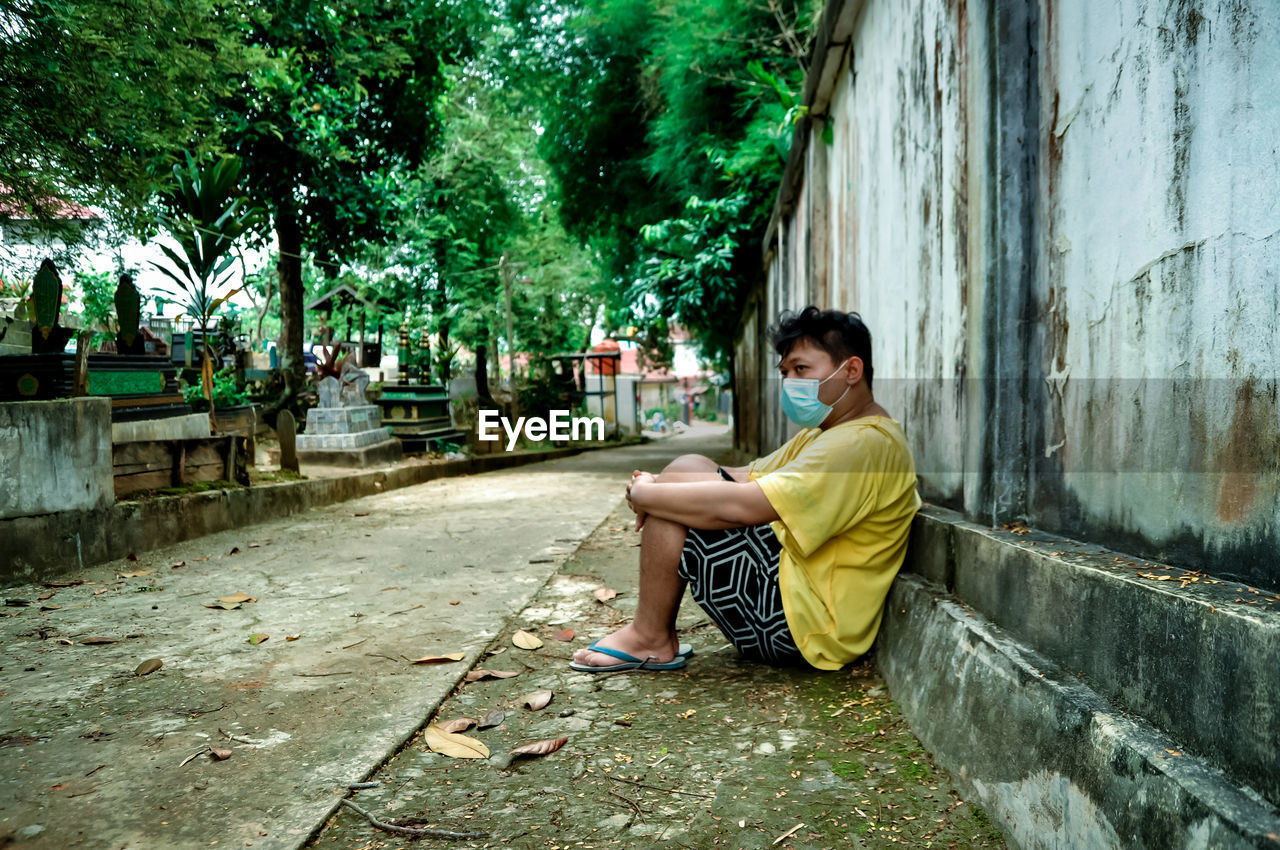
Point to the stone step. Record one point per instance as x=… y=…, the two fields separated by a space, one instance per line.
x=1052 y=762
x=1196 y=657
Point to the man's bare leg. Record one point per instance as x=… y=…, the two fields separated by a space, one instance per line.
x=652 y=634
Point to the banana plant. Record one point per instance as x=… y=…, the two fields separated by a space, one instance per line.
x=208 y=216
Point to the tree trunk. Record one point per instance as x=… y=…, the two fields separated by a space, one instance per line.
x=482 y=373
x=289 y=271
x=445 y=363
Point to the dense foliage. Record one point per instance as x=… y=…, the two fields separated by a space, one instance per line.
x=607 y=161
x=98 y=98
x=667 y=127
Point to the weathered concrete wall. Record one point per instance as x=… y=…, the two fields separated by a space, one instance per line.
x=1197 y=661
x=55 y=456
x=1059 y=221
x=1055 y=764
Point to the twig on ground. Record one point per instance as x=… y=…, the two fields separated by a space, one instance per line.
x=194 y=755
x=318 y=675
x=632 y=803
x=195 y=712
x=377 y=655
x=357 y=643
x=95 y=770
x=363 y=786
x=663 y=790
x=231 y=737
x=406 y=611
x=788 y=833
x=416 y=832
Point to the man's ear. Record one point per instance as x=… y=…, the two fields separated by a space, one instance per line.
x=853 y=369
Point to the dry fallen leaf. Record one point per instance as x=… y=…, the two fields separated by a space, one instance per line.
x=94 y=641
x=177 y=564
x=151 y=665
x=565 y=635
x=477 y=675
x=219 y=754
x=257 y=638
x=238 y=596
x=458 y=724
x=361 y=513
x=225 y=606
x=604 y=594
x=491 y=719
x=454 y=745
x=440 y=659
x=537 y=700
x=48 y=594
x=525 y=640
x=135 y=574
x=455 y=602
x=235 y=550
x=540 y=748
x=292 y=637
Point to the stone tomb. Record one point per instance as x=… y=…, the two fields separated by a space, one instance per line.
x=345 y=430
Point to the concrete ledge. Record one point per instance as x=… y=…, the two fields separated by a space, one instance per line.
x=1052 y=761
x=1190 y=659
x=36 y=548
x=361 y=453
x=54 y=454
x=192 y=427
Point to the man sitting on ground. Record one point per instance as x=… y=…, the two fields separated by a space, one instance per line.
x=791 y=556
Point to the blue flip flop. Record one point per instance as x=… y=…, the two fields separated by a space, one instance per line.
x=629 y=662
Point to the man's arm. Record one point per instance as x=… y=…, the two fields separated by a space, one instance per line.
x=702 y=504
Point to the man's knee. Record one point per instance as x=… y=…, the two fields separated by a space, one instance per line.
x=689 y=464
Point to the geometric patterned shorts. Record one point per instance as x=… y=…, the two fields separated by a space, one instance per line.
x=733 y=575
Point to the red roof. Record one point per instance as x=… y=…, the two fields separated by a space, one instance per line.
x=56 y=208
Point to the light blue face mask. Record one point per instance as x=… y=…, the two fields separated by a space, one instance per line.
x=800 y=400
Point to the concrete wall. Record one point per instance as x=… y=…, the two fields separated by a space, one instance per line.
x=1059 y=221
x=55 y=456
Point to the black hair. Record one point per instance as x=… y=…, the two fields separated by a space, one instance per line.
x=840 y=335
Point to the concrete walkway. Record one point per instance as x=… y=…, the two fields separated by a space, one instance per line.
x=92 y=755
x=722 y=753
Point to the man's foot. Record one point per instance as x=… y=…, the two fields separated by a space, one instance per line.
x=626 y=640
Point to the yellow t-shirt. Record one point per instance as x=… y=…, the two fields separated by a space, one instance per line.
x=845 y=498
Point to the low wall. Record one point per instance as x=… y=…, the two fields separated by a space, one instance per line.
x=1084 y=700
x=36 y=548
x=55 y=455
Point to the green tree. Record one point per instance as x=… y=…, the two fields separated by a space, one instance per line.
x=348 y=103
x=98 y=98
x=668 y=124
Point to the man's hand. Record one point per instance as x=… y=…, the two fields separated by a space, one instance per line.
x=638 y=476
